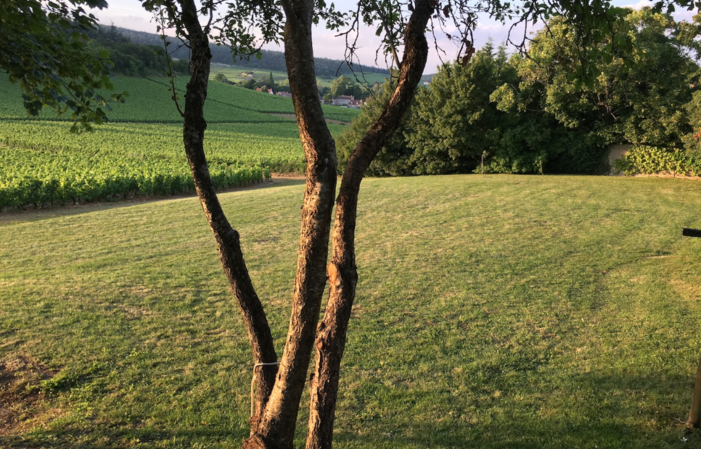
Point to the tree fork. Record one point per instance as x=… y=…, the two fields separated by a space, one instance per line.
x=228 y=243
x=276 y=428
x=342 y=273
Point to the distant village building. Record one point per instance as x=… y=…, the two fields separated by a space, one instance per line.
x=270 y=91
x=355 y=104
x=284 y=94
x=343 y=100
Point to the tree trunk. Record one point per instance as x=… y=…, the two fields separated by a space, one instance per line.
x=331 y=338
x=276 y=429
x=227 y=238
x=695 y=412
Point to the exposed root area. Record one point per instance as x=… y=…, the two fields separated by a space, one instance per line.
x=20 y=392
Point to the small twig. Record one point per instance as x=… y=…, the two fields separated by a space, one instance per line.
x=161 y=20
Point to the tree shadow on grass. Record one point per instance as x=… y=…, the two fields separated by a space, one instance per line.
x=522 y=435
x=614 y=411
x=104 y=438
x=603 y=411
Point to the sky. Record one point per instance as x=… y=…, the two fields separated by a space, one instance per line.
x=130 y=14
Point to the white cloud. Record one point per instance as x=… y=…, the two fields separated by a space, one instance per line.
x=126 y=14
x=678 y=15
x=641 y=4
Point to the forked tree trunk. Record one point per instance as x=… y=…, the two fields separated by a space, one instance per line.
x=227 y=238
x=280 y=388
x=331 y=337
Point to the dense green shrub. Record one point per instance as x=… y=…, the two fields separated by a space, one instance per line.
x=454 y=121
x=692 y=140
x=462 y=115
x=651 y=160
x=637 y=96
x=395 y=159
x=530 y=115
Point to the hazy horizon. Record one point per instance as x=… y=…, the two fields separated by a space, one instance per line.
x=131 y=15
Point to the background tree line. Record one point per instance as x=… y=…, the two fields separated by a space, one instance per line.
x=269 y=59
x=347 y=85
x=133 y=59
x=136 y=53
x=517 y=114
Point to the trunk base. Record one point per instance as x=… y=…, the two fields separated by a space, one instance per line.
x=695 y=413
x=255 y=441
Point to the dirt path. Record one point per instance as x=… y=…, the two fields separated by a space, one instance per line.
x=328 y=120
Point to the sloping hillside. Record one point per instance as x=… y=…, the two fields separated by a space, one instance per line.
x=149 y=101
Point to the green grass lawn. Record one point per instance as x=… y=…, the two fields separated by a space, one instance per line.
x=492 y=312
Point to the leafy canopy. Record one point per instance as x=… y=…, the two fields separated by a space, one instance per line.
x=43 y=48
x=530 y=115
x=639 y=93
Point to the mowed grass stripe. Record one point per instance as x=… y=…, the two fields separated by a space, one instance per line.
x=492 y=312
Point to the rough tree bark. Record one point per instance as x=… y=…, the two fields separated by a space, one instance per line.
x=343 y=276
x=227 y=238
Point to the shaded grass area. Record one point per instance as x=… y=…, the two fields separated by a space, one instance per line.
x=492 y=312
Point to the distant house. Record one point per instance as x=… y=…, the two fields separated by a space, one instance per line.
x=259 y=89
x=270 y=91
x=343 y=100
x=284 y=94
x=355 y=104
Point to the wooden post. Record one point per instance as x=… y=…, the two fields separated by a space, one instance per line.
x=695 y=411
x=694 y=420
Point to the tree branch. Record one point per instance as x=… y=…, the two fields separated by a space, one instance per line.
x=226 y=237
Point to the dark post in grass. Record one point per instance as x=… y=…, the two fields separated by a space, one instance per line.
x=694 y=418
